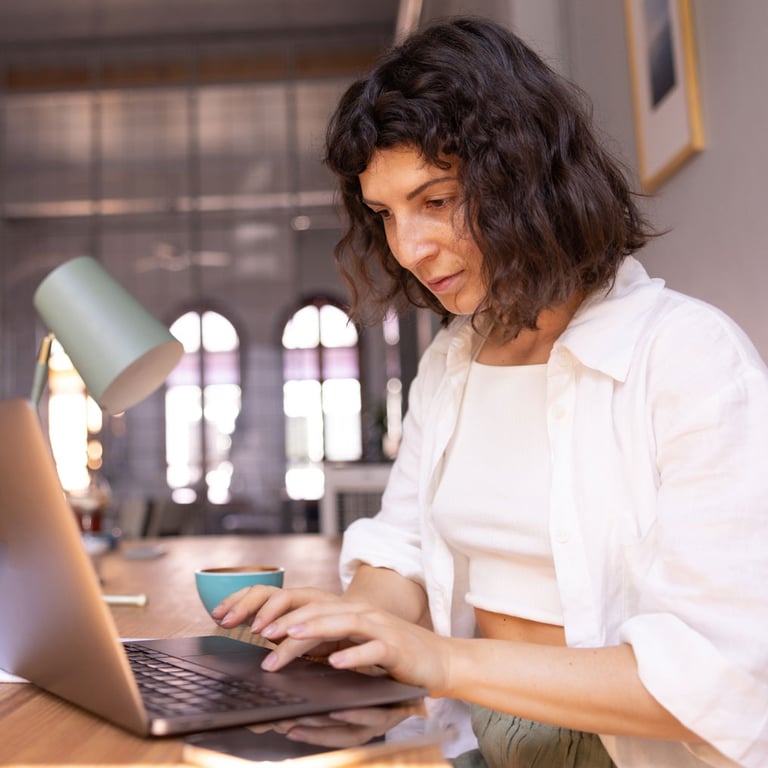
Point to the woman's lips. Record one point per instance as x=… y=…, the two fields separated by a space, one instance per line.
x=443 y=284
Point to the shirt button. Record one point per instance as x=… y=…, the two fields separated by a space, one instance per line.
x=558 y=413
x=562 y=535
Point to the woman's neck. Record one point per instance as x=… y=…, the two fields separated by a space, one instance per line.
x=530 y=346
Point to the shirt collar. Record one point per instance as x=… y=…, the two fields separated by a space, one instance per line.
x=605 y=329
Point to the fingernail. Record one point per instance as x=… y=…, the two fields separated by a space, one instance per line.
x=270 y=662
x=257 y=625
x=337 y=659
x=269 y=630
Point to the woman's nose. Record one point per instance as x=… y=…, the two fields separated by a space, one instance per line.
x=413 y=243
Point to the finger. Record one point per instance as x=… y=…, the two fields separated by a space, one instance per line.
x=241 y=605
x=283 y=726
x=288 y=650
x=379 y=640
x=340 y=736
x=374 y=653
x=308 y=721
x=262 y=604
x=223 y=607
x=372 y=717
x=313 y=625
x=282 y=603
x=304 y=615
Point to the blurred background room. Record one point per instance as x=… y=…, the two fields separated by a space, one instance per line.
x=179 y=143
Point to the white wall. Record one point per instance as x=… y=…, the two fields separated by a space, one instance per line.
x=716 y=204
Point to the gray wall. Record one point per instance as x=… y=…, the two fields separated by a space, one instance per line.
x=714 y=205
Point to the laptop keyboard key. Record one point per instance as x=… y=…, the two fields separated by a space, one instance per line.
x=174 y=687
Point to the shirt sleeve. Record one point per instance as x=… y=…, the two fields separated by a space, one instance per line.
x=392 y=538
x=700 y=635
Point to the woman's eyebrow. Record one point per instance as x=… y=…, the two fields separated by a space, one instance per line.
x=414 y=192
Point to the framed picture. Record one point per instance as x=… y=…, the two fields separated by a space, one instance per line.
x=662 y=63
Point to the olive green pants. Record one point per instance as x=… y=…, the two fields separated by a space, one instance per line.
x=506 y=741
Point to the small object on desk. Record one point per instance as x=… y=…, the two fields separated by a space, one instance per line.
x=148 y=552
x=7 y=677
x=96 y=544
x=90 y=503
x=140 y=600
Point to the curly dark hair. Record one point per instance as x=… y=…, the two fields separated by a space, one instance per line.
x=549 y=207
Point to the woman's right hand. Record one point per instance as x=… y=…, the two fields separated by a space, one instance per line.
x=260 y=606
x=371 y=587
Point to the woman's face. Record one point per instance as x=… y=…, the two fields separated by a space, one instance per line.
x=418 y=204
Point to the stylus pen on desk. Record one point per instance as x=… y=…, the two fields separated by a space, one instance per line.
x=139 y=600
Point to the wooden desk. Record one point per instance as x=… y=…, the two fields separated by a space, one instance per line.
x=37 y=728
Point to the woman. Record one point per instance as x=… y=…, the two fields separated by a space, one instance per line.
x=573 y=538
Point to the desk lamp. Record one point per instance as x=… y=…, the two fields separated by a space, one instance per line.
x=121 y=352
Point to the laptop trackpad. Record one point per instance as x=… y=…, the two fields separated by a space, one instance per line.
x=232 y=657
x=248 y=665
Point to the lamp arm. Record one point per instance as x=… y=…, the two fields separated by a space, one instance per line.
x=41 y=368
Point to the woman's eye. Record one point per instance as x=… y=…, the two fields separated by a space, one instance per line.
x=439 y=202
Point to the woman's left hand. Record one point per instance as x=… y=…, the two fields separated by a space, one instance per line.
x=409 y=653
x=349 y=728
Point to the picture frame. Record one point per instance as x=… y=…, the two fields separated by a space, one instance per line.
x=665 y=90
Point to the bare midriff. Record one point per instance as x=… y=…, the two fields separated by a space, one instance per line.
x=499 y=626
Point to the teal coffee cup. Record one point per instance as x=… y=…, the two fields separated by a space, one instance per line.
x=214 y=584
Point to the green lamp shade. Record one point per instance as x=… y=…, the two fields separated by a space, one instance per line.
x=121 y=352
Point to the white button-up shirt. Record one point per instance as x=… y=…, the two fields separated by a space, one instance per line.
x=657 y=414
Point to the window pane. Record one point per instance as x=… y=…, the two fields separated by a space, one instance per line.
x=67 y=413
x=68 y=420
x=305 y=482
x=187 y=371
x=183 y=413
x=335 y=328
x=301 y=364
x=219 y=334
x=341 y=404
x=323 y=420
x=302 y=331
x=222 y=367
x=222 y=405
x=222 y=402
x=304 y=421
x=391 y=329
x=341 y=363
x=187 y=330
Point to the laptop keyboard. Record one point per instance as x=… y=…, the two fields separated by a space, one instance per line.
x=171 y=686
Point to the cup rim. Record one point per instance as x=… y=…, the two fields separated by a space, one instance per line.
x=242 y=570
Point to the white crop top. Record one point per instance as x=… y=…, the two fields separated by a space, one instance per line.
x=493 y=498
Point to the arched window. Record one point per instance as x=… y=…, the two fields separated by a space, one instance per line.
x=74 y=423
x=202 y=402
x=321 y=395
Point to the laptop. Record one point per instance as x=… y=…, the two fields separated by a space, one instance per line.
x=57 y=632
